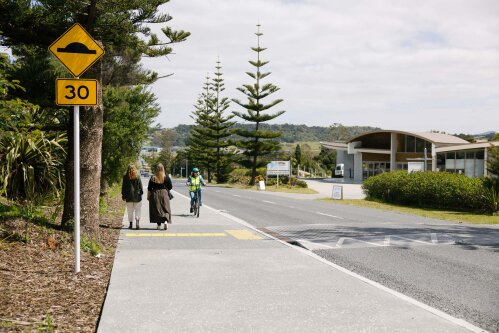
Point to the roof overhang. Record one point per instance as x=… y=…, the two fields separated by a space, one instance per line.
x=335 y=145
x=477 y=145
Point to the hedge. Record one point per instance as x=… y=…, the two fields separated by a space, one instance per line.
x=429 y=189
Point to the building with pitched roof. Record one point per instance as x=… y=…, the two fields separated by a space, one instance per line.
x=380 y=151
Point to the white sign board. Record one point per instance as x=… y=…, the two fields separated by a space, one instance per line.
x=337 y=192
x=261 y=185
x=415 y=166
x=282 y=168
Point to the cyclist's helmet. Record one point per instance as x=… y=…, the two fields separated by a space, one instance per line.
x=195 y=170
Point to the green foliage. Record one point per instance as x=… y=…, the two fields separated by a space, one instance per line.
x=493 y=161
x=47 y=326
x=326 y=159
x=286 y=181
x=298 y=154
x=90 y=246
x=257 y=143
x=427 y=189
x=129 y=111
x=31 y=162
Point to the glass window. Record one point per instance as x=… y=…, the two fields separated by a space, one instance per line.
x=400 y=143
x=480 y=154
x=470 y=155
x=441 y=162
x=420 y=145
x=428 y=146
x=410 y=144
x=460 y=161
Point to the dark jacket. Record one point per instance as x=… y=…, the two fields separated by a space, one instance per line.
x=131 y=189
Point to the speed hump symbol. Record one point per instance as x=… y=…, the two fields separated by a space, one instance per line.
x=76 y=50
x=76 y=92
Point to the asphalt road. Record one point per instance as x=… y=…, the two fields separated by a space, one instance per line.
x=452 y=267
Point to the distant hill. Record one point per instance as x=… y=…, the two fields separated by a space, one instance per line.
x=290 y=133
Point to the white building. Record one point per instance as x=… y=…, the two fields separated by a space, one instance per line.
x=385 y=150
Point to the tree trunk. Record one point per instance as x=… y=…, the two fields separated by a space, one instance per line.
x=91 y=132
x=253 y=171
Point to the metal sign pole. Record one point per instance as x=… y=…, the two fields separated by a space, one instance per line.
x=76 y=148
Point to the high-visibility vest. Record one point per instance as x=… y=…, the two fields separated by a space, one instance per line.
x=195 y=183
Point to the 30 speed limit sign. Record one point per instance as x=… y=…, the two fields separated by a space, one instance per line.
x=75 y=92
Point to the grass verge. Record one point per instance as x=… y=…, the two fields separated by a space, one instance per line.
x=456 y=216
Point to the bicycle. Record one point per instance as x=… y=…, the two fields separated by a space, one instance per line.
x=196 y=208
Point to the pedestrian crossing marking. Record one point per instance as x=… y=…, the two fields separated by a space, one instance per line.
x=184 y=234
x=243 y=234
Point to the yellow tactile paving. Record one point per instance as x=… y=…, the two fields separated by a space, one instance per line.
x=243 y=234
x=185 y=234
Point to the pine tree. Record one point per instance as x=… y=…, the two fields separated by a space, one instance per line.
x=257 y=143
x=298 y=154
x=220 y=128
x=200 y=150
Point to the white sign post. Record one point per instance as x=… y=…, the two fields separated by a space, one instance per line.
x=76 y=149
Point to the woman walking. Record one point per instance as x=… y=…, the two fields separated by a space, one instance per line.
x=131 y=192
x=159 y=200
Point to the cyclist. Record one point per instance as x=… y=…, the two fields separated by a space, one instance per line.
x=194 y=181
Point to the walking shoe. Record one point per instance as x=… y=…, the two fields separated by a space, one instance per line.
x=192 y=209
x=130 y=226
x=159 y=227
x=137 y=226
x=165 y=226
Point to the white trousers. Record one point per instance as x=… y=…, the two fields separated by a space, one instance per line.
x=131 y=208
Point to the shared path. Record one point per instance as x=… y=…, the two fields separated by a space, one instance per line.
x=218 y=273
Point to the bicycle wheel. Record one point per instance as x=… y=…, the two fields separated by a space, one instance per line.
x=195 y=206
x=198 y=208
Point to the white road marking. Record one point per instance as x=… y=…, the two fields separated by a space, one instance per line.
x=434 y=239
x=413 y=240
x=270 y=202
x=314 y=246
x=336 y=217
x=340 y=242
x=291 y=207
x=236 y=195
x=387 y=240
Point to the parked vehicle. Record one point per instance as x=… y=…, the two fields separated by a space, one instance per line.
x=339 y=171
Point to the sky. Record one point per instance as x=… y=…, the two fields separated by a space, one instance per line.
x=395 y=64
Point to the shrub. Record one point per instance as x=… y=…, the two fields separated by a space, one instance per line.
x=428 y=189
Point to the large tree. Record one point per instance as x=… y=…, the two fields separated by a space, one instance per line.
x=123 y=28
x=257 y=143
x=220 y=127
x=201 y=151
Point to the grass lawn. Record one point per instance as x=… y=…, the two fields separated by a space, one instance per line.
x=456 y=216
x=285 y=189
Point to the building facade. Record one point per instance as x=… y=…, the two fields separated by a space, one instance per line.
x=376 y=152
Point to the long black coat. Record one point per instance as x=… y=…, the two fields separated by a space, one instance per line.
x=159 y=202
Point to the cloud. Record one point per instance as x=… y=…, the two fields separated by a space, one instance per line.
x=414 y=65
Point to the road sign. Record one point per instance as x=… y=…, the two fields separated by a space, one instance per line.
x=76 y=50
x=75 y=92
x=282 y=168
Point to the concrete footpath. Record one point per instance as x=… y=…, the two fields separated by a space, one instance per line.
x=217 y=274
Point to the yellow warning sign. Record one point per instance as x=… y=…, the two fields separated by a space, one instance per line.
x=76 y=50
x=75 y=92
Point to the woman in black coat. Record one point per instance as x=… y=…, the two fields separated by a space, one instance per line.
x=131 y=192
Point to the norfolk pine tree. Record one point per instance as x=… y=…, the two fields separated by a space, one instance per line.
x=220 y=127
x=200 y=150
x=257 y=143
